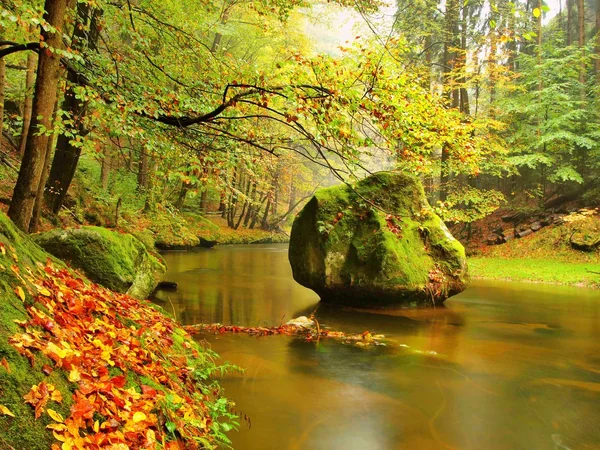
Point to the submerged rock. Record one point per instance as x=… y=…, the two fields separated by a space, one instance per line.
x=375 y=244
x=117 y=261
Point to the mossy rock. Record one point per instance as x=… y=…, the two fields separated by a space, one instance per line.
x=117 y=261
x=22 y=431
x=376 y=244
x=586 y=236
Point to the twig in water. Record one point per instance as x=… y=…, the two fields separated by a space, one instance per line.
x=172 y=307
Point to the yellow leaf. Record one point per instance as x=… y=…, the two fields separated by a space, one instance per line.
x=67 y=446
x=74 y=375
x=56 y=396
x=5 y=411
x=53 y=348
x=139 y=416
x=20 y=293
x=45 y=292
x=54 y=415
x=537 y=12
x=96 y=426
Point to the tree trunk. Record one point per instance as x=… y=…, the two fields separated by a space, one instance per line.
x=39 y=199
x=251 y=207
x=67 y=155
x=569 y=22
x=142 y=175
x=2 y=84
x=27 y=104
x=449 y=61
x=581 y=41
x=106 y=166
x=264 y=223
x=493 y=61
x=46 y=86
x=464 y=95
x=150 y=203
x=182 y=195
x=597 y=61
x=223 y=204
x=257 y=211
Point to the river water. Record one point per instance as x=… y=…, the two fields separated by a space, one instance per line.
x=502 y=366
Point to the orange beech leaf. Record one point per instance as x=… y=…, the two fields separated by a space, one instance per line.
x=4 y=363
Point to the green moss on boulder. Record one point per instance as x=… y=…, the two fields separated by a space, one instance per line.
x=377 y=243
x=117 y=261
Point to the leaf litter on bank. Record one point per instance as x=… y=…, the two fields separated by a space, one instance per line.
x=136 y=375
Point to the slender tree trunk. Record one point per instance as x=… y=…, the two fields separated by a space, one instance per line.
x=597 y=61
x=581 y=41
x=251 y=201
x=223 y=204
x=569 y=22
x=150 y=203
x=264 y=223
x=27 y=104
x=182 y=195
x=493 y=61
x=512 y=43
x=106 y=166
x=449 y=61
x=464 y=94
x=539 y=30
x=142 y=175
x=257 y=211
x=67 y=155
x=23 y=200
x=39 y=199
x=2 y=84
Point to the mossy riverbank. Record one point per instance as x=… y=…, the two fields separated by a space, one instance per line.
x=552 y=255
x=536 y=271
x=96 y=366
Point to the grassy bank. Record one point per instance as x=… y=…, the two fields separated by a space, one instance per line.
x=547 y=256
x=535 y=270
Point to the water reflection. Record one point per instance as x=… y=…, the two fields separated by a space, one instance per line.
x=515 y=366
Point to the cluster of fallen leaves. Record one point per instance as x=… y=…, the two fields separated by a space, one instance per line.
x=309 y=333
x=81 y=328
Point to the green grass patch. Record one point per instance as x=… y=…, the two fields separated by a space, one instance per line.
x=536 y=270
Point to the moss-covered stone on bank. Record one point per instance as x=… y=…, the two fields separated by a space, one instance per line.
x=117 y=261
x=376 y=244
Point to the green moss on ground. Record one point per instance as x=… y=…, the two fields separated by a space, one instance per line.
x=22 y=431
x=551 y=255
x=536 y=270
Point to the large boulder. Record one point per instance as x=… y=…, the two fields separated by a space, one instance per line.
x=375 y=244
x=117 y=261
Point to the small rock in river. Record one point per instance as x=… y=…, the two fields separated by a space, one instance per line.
x=302 y=321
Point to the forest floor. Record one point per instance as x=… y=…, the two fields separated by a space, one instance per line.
x=550 y=254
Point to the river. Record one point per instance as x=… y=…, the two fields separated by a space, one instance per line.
x=502 y=366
